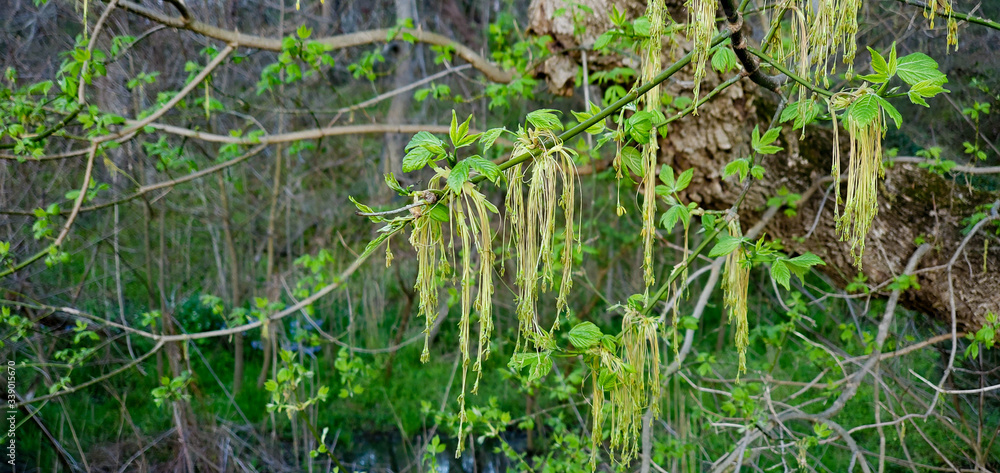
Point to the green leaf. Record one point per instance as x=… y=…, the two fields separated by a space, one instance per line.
x=639 y=126
x=780 y=273
x=762 y=145
x=489 y=137
x=633 y=159
x=917 y=98
x=740 y=166
x=893 y=62
x=878 y=63
x=863 y=110
x=416 y=158
x=439 y=212
x=926 y=88
x=684 y=180
x=670 y=217
x=484 y=166
x=726 y=244
x=458 y=176
x=581 y=117
x=641 y=26
x=390 y=180
x=585 y=335
x=538 y=365
x=889 y=109
x=770 y=136
x=545 y=119
x=802 y=112
x=769 y=149
x=874 y=78
x=454 y=132
x=426 y=140
x=808 y=260
x=603 y=40
x=303 y=32
x=724 y=60
x=361 y=207
x=667 y=177
x=801 y=264
x=918 y=67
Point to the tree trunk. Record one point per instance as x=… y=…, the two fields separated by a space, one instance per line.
x=394 y=142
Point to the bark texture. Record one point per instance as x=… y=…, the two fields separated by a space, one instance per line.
x=912 y=201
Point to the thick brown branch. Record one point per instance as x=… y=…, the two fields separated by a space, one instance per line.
x=490 y=70
x=751 y=65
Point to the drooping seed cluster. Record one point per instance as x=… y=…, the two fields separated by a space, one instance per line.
x=701 y=28
x=863 y=172
x=470 y=216
x=735 y=281
x=834 y=25
x=651 y=64
x=426 y=240
x=532 y=225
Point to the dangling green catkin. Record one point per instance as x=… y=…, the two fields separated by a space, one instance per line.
x=568 y=203
x=641 y=346
x=465 y=284
x=931 y=11
x=425 y=239
x=834 y=25
x=701 y=26
x=626 y=412
x=596 y=418
x=533 y=230
x=735 y=280
x=633 y=381
x=863 y=172
x=484 y=301
x=469 y=213
x=656 y=12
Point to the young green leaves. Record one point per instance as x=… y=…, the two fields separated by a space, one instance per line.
x=801 y=113
x=783 y=267
x=761 y=145
x=426 y=149
x=423 y=148
x=460 y=173
x=670 y=187
x=917 y=70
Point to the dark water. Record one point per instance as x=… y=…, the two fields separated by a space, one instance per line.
x=388 y=453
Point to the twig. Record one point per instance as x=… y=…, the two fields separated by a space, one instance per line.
x=393 y=211
x=958 y=168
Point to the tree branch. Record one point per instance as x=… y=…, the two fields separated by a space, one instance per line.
x=490 y=70
x=751 y=65
x=962 y=16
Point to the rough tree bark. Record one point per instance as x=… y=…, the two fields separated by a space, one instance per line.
x=912 y=201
